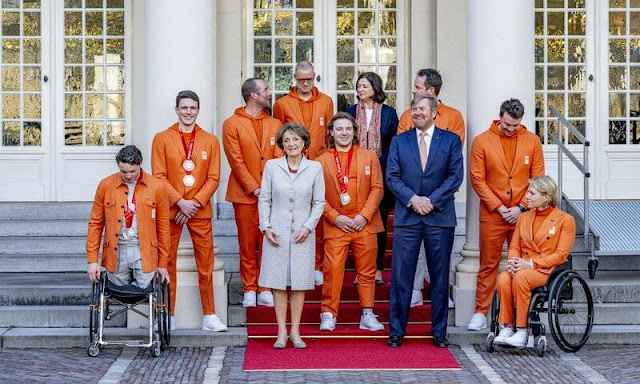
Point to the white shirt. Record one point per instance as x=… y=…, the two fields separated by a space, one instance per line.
x=427 y=138
x=369 y=115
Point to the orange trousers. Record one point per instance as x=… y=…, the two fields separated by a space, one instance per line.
x=201 y=232
x=515 y=291
x=250 y=244
x=319 y=246
x=492 y=236
x=365 y=249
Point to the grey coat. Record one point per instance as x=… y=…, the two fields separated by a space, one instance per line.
x=286 y=204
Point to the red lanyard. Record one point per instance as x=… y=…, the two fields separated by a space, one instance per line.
x=189 y=150
x=128 y=215
x=343 y=177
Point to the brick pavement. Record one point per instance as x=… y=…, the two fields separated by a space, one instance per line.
x=617 y=363
x=54 y=366
x=175 y=365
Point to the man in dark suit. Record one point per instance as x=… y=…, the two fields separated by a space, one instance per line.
x=424 y=171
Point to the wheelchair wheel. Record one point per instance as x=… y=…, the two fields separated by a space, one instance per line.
x=93 y=349
x=541 y=347
x=489 y=342
x=155 y=349
x=495 y=312
x=570 y=311
x=162 y=313
x=94 y=310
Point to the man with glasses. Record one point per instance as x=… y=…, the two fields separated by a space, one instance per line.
x=306 y=105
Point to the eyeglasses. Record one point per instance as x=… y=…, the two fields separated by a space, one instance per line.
x=308 y=81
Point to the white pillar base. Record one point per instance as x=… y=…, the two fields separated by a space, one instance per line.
x=188 y=313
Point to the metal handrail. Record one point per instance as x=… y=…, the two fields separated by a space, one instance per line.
x=582 y=167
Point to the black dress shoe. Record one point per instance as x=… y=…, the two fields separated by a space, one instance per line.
x=379 y=282
x=394 y=341
x=440 y=342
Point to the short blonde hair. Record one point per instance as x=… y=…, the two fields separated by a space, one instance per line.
x=546 y=186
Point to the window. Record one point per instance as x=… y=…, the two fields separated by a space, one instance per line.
x=94 y=72
x=282 y=36
x=366 y=41
x=624 y=72
x=560 y=69
x=21 y=74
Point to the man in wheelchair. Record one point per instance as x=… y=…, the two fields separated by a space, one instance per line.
x=131 y=208
x=542 y=240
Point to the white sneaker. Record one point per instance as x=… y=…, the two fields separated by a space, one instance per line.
x=478 y=322
x=416 y=298
x=265 y=299
x=451 y=303
x=213 y=323
x=369 y=322
x=327 y=321
x=318 y=277
x=249 y=299
x=505 y=332
x=518 y=339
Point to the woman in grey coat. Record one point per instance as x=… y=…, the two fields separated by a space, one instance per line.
x=290 y=204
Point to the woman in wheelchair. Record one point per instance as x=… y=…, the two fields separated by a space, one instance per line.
x=542 y=240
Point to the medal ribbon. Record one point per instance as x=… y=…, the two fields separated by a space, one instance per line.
x=343 y=177
x=189 y=150
x=128 y=214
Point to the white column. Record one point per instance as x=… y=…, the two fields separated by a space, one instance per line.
x=180 y=54
x=423 y=36
x=500 y=65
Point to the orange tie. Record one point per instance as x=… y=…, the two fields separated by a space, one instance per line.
x=423 y=150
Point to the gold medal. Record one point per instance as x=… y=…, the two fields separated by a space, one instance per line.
x=188 y=180
x=345 y=198
x=188 y=165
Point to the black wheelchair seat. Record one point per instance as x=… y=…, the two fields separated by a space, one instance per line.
x=128 y=294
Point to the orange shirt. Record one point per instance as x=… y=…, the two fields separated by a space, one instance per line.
x=509 y=144
x=541 y=216
x=152 y=212
x=447 y=118
x=306 y=107
x=350 y=209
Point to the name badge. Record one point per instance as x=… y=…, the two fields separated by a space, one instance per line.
x=153 y=213
x=552 y=231
x=526 y=159
x=273 y=140
x=204 y=155
x=321 y=121
x=367 y=170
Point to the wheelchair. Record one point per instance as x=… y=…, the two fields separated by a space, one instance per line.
x=105 y=293
x=568 y=303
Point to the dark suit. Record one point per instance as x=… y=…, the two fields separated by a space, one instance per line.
x=388 y=129
x=438 y=182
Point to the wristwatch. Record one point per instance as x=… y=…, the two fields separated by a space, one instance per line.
x=522 y=208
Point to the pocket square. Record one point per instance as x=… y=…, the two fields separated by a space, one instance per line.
x=552 y=231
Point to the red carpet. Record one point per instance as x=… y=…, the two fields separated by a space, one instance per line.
x=347 y=347
x=337 y=354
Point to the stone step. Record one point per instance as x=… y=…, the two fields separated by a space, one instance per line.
x=79 y=337
x=44 y=289
x=51 y=316
x=616 y=313
x=614 y=287
x=19 y=245
x=43 y=228
x=41 y=262
x=607 y=263
x=45 y=211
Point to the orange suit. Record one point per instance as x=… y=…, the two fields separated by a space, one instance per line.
x=291 y=108
x=447 y=118
x=365 y=188
x=152 y=210
x=247 y=156
x=167 y=156
x=497 y=185
x=548 y=247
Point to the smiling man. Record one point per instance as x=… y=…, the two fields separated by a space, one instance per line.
x=353 y=190
x=502 y=161
x=187 y=159
x=424 y=171
x=306 y=105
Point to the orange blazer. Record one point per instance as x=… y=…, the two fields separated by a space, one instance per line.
x=167 y=156
x=447 y=118
x=550 y=245
x=247 y=157
x=493 y=182
x=152 y=207
x=287 y=109
x=369 y=186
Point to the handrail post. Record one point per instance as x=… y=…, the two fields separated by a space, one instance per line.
x=560 y=161
x=586 y=197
